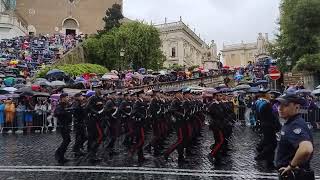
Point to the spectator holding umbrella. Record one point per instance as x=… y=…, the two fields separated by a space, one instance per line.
x=28 y=118
x=21 y=108
x=10 y=111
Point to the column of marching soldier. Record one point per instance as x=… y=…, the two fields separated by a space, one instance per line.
x=102 y=119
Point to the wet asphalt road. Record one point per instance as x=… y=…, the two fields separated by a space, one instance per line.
x=31 y=157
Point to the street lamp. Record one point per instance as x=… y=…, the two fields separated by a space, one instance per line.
x=122 y=53
x=288 y=61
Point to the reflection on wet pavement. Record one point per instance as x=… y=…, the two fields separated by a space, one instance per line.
x=31 y=157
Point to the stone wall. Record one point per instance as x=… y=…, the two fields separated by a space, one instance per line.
x=75 y=56
x=48 y=16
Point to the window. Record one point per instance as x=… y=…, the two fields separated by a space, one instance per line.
x=173 y=52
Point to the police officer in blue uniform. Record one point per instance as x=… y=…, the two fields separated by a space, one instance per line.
x=295 y=142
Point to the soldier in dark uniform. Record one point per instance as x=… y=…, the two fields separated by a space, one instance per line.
x=229 y=120
x=64 y=117
x=112 y=124
x=177 y=115
x=216 y=125
x=188 y=127
x=95 y=109
x=138 y=116
x=295 y=142
x=79 y=115
x=154 y=114
x=270 y=125
x=122 y=114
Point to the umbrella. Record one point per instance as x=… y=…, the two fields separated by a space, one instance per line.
x=225 y=90
x=318 y=87
x=41 y=94
x=291 y=90
x=10 y=89
x=238 y=77
x=24 y=89
x=55 y=71
x=129 y=75
x=211 y=91
x=20 y=80
x=262 y=82
x=242 y=87
x=316 y=92
x=18 y=86
x=90 y=93
x=240 y=92
x=13 y=95
x=57 y=83
x=303 y=91
x=3 y=97
x=114 y=72
x=55 y=97
x=253 y=90
x=42 y=83
x=110 y=76
x=221 y=86
x=275 y=92
x=2 y=76
x=40 y=79
x=27 y=93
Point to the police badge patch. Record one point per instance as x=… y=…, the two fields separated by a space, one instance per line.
x=297 y=130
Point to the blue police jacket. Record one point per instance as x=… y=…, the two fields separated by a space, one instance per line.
x=293 y=132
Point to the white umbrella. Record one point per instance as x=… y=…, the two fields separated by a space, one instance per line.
x=316 y=92
x=10 y=89
x=318 y=87
x=110 y=76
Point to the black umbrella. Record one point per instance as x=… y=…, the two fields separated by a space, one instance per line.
x=18 y=86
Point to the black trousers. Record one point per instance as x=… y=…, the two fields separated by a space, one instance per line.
x=94 y=136
x=66 y=139
x=80 y=137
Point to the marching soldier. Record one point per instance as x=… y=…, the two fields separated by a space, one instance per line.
x=95 y=109
x=216 y=125
x=177 y=115
x=79 y=115
x=138 y=115
x=64 y=118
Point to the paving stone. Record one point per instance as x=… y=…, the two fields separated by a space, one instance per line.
x=38 y=150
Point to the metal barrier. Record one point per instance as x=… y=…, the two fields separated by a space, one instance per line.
x=311 y=116
x=26 y=121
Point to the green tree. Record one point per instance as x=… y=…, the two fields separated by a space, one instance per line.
x=113 y=17
x=299 y=33
x=140 y=42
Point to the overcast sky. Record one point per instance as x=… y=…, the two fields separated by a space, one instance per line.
x=225 y=21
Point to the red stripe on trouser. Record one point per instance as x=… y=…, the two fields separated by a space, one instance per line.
x=218 y=146
x=100 y=135
x=174 y=146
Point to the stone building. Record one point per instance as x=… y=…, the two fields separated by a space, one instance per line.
x=183 y=47
x=64 y=16
x=236 y=55
x=11 y=25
